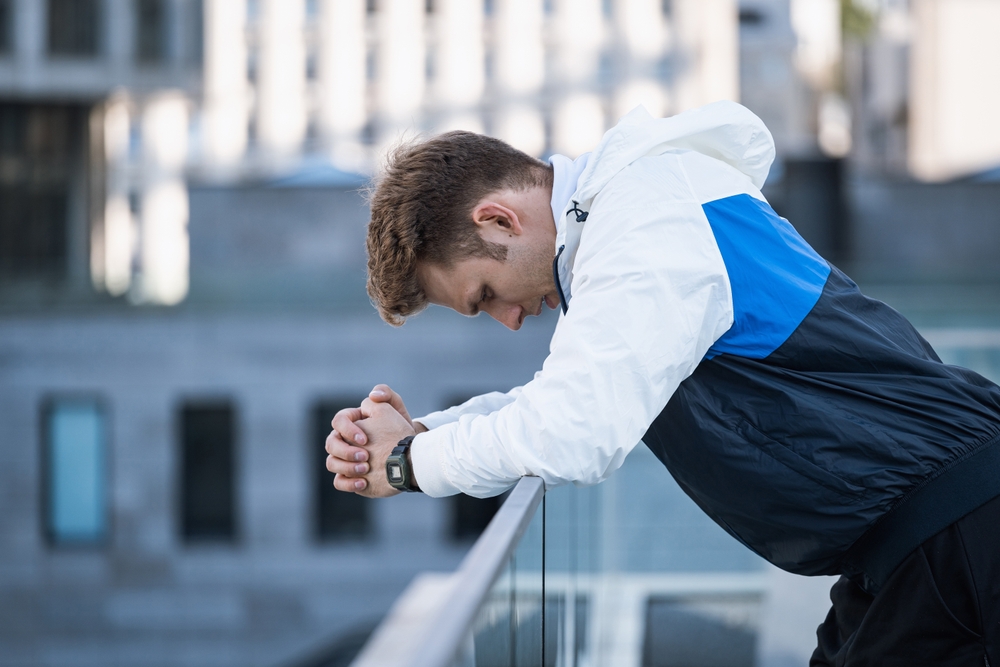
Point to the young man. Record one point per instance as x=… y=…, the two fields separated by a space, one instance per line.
x=814 y=424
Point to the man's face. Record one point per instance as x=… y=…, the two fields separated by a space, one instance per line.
x=507 y=291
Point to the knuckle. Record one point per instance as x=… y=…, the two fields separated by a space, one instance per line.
x=342 y=483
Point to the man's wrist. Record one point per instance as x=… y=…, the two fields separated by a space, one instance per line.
x=409 y=462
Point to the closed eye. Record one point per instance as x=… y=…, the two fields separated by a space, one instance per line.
x=483 y=296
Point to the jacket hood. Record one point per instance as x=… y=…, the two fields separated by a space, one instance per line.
x=722 y=130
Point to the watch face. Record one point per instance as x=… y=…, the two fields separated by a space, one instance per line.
x=395 y=472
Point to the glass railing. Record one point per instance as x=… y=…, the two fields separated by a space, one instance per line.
x=487 y=612
x=615 y=574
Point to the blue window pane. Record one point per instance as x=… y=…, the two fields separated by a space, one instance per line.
x=77 y=472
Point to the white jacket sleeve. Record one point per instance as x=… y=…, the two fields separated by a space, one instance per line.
x=478 y=405
x=650 y=296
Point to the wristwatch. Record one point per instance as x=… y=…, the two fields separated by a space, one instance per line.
x=397 y=467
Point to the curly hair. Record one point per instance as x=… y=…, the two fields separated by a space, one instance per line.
x=421 y=211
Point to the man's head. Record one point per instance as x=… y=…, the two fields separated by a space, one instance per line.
x=457 y=201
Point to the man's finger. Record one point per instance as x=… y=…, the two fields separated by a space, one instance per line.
x=338 y=448
x=349 y=484
x=370 y=408
x=347 y=468
x=382 y=393
x=343 y=423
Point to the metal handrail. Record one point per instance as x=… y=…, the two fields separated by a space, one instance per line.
x=430 y=623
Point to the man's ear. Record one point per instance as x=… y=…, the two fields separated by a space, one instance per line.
x=495 y=221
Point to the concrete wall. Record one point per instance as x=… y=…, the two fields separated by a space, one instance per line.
x=903 y=230
x=146 y=598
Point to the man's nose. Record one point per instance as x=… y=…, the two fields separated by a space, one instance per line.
x=511 y=316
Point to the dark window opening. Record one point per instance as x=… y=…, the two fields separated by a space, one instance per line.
x=207 y=472
x=665 y=68
x=311 y=68
x=667 y=7
x=368 y=134
x=194 y=34
x=750 y=16
x=252 y=66
x=470 y=516
x=150 y=32
x=371 y=6
x=678 y=627
x=75 y=471
x=6 y=28
x=74 y=28
x=40 y=149
x=336 y=515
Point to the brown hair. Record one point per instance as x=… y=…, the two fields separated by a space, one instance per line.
x=421 y=208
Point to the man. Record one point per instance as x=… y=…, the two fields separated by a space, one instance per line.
x=813 y=424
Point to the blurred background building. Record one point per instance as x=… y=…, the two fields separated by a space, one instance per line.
x=182 y=304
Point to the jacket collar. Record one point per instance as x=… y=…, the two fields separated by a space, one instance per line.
x=565 y=180
x=722 y=130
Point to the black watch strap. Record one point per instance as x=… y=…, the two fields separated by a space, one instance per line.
x=398 y=470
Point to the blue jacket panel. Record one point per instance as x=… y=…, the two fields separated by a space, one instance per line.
x=776 y=277
x=798 y=452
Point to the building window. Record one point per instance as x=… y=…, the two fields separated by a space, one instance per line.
x=336 y=515
x=469 y=516
x=38 y=144
x=150 y=32
x=74 y=28
x=6 y=28
x=194 y=34
x=207 y=472
x=751 y=16
x=75 y=469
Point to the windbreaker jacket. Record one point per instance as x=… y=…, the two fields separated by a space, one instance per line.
x=814 y=424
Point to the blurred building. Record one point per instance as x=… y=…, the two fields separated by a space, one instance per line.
x=923 y=195
x=159 y=93
x=888 y=156
x=918 y=73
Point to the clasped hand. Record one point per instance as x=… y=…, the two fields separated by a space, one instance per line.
x=362 y=439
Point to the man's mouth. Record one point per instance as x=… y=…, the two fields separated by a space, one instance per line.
x=548 y=300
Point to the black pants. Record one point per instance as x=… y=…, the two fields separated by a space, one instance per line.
x=940 y=607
